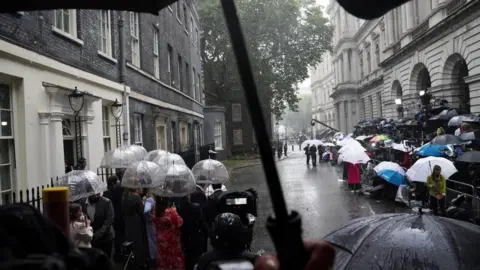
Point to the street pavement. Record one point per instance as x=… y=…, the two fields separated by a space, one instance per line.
x=315 y=192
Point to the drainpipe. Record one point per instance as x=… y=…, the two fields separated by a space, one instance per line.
x=122 y=67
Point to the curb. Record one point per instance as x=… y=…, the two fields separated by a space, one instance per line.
x=243 y=166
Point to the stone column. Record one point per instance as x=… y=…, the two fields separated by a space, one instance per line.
x=389 y=28
x=349 y=121
x=45 y=145
x=404 y=18
x=410 y=15
x=358 y=107
x=342 y=120
x=337 y=116
x=56 y=145
x=345 y=67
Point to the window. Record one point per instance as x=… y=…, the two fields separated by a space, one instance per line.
x=187 y=78
x=194 y=84
x=180 y=70
x=236 y=112
x=106 y=128
x=66 y=20
x=199 y=89
x=7 y=160
x=137 y=128
x=360 y=55
x=134 y=33
x=217 y=135
x=173 y=136
x=105 y=32
x=190 y=26
x=377 y=54
x=237 y=137
x=156 y=61
x=179 y=10
x=369 y=62
x=197 y=38
x=379 y=102
x=370 y=106
x=170 y=65
x=185 y=17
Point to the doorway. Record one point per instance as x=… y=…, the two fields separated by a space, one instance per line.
x=161 y=137
x=68 y=143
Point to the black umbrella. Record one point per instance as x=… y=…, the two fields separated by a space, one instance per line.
x=470 y=136
x=456 y=121
x=445 y=115
x=406 y=241
x=470 y=157
x=447 y=139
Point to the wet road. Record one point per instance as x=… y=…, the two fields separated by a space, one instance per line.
x=322 y=200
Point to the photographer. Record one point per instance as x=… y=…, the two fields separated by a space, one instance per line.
x=228 y=241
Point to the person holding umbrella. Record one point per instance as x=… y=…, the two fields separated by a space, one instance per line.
x=437 y=186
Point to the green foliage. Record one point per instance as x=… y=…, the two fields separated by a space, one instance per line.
x=284 y=38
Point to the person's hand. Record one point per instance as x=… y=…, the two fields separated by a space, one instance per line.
x=438 y=196
x=322 y=256
x=88 y=221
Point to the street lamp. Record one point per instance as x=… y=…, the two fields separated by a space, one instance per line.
x=422 y=93
x=117 y=110
x=398 y=101
x=76 y=100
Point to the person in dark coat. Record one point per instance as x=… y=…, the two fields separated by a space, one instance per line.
x=100 y=211
x=307 y=153
x=115 y=194
x=285 y=148
x=194 y=231
x=135 y=228
x=313 y=154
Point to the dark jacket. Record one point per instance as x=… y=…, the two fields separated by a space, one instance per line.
x=313 y=150
x=194 y=229
x=103 y=221
x=135 y=228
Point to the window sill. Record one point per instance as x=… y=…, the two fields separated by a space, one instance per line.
x=179 y=21
x=67 y=35
x=170 y=8
x=109 y=58
x=186 y=31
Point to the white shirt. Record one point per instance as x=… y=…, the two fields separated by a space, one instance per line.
x=209 y=191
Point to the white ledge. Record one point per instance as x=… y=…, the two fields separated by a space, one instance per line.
x=67 y=35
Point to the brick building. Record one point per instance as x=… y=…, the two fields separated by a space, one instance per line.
x=44 y=55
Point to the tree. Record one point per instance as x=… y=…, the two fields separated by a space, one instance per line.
x=284 y=38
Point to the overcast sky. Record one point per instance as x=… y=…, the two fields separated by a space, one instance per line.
x=305 y=85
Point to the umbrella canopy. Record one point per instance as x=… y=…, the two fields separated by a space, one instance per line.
x=142 y=174
x=391 y=172
x=456 y=121
x=363 y=137
x=429 y=150
x=446 y=139
x=169 y=159
x=444 y=115
x=424 y=167
x=348 y=141
x=328 y=144
x=351 y=147
x=353 y=156
x=118 y=158
x=177 y=181
x=406 y=241
x=470 y=157
x=82 y=184
x=152 y=155
x=470 y=136
x=138 y=150
x=379 y=138
x=311 y=142
x=400 y=147
x=210 y=171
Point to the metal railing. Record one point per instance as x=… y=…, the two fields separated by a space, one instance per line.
x=461 y=188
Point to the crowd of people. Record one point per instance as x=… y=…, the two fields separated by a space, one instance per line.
x=163 y=233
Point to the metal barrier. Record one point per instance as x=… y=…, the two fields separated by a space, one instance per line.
x=475 y=200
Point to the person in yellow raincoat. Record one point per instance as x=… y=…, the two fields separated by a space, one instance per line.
x=437 y=187
x=440 y=131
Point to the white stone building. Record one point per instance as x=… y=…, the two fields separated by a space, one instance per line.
x=420 y=46
x=322 y=82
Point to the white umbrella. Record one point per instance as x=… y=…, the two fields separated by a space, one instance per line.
x=118 y=158
x=347 y=141
x=210 y=171
x=363 y=137
x=177 y=181
x=387 y=165
x=328 y=144
x=152 y=155
x=399 y=147
x=348 y=147
x=424 y=167
x=169 y=159
x=354 y=156
x=141 y=174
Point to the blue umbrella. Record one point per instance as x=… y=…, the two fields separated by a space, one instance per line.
x=393 y=177
x=431 y=150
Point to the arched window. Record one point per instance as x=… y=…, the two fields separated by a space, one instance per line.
x=377 y=54
x=349 y=55
x=360 y=56
x=369 y=62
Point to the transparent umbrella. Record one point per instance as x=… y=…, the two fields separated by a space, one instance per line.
x=210 y=171
x=138 y=150
x=142 y=174
x=82 y=184
x=152 y=155
x=169 y=159
x=118 y=158
x=177 y=180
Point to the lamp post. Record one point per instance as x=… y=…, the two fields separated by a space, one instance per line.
x=117 y=111
x=77 y=100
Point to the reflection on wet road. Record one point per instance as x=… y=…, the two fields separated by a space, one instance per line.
x=316 y=193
